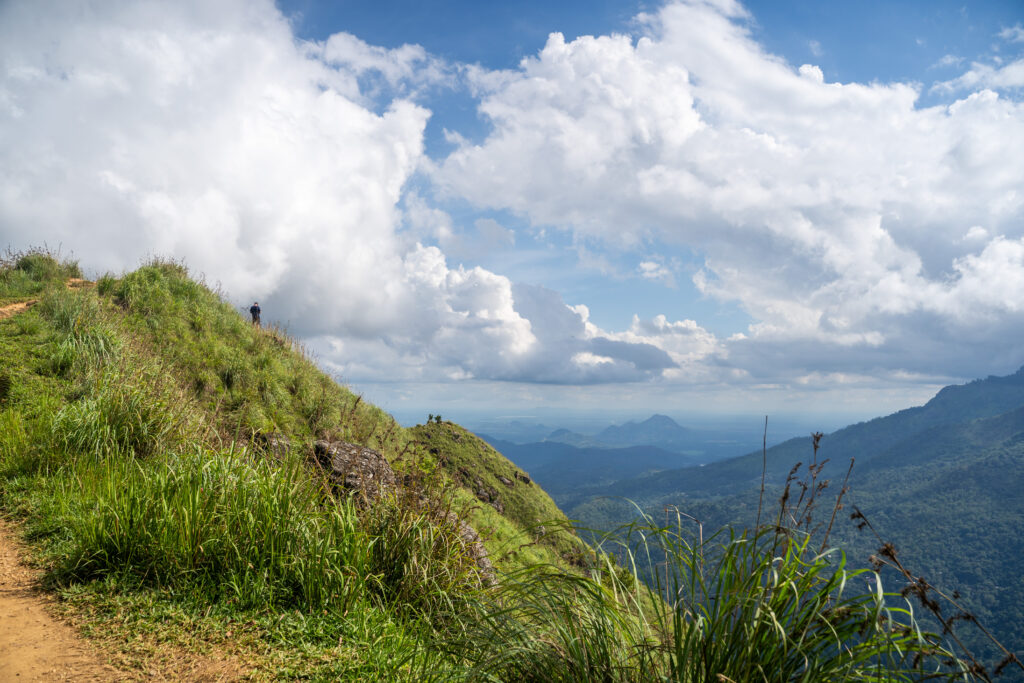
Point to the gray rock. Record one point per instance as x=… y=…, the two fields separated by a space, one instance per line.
x=474 y=547
x=354 y=469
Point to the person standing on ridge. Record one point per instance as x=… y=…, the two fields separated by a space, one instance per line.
x=254 y=311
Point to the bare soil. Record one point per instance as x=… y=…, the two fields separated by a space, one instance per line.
x=13 y=309
x=34 y=646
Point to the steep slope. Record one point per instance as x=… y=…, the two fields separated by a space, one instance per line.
x=142 y=432
x=257 y=382
x=498 y=484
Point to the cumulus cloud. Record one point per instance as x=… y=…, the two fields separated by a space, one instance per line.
x=406 y=68
x=841 y=217
x=832 y=213
x=204 y=131
x=207 y=132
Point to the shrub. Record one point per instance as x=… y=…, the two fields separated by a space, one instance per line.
x=417 y=561
x=77 y=316
x=128 y=411
x=27 y=273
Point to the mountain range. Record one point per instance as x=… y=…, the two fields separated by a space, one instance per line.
x=943 y=482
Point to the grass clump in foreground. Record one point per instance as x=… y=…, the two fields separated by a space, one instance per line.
x=124 y=446
x=757 y=606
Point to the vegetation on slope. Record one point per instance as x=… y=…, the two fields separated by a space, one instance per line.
x=130 y=418
x=949 y=497
x=497 y=483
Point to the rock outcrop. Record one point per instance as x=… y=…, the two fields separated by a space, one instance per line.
x=274 y=445
x=355 y=469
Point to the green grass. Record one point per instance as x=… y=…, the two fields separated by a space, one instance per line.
x=759 y=607
x=128 y=421
x=478 y=468
x=24 y=275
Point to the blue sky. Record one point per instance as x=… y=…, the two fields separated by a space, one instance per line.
x=866 y=41
x=690 y=207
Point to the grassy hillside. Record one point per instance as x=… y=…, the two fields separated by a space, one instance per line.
x=135 y=418
x=252 y=382
x=499 y=485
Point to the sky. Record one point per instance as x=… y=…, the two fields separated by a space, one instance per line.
x=691 y=207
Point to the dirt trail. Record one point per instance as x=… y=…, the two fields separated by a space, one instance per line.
x=33 y=645
x=13 y=309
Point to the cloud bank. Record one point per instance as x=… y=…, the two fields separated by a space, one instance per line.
x=865 y=235
x=854 y=227
x=208 y=132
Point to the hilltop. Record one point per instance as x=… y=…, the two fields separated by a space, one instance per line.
x=154 y=362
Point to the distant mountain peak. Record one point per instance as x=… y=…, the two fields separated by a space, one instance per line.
x=658 y=420
x=657 y=429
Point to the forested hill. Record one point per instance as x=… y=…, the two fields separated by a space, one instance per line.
x=887 y=437
x=943 y=482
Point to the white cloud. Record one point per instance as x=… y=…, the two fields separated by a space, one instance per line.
x=812 y=72
x=206 y=131
x=1012 y=34
x=655 y=270
x=405 y=67
x=985 y=76
x=832 y=213
x=815 y=48
x=948 y=60
x=838 y=216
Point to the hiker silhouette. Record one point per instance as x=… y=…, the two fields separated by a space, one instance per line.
x=254 y=311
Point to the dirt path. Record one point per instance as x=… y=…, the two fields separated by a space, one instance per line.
x=13 y=309
x=33 y=645
x=36 y=647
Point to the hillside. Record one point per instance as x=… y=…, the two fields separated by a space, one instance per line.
x=944 y=482
x=176 y=474
x=154 y=363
